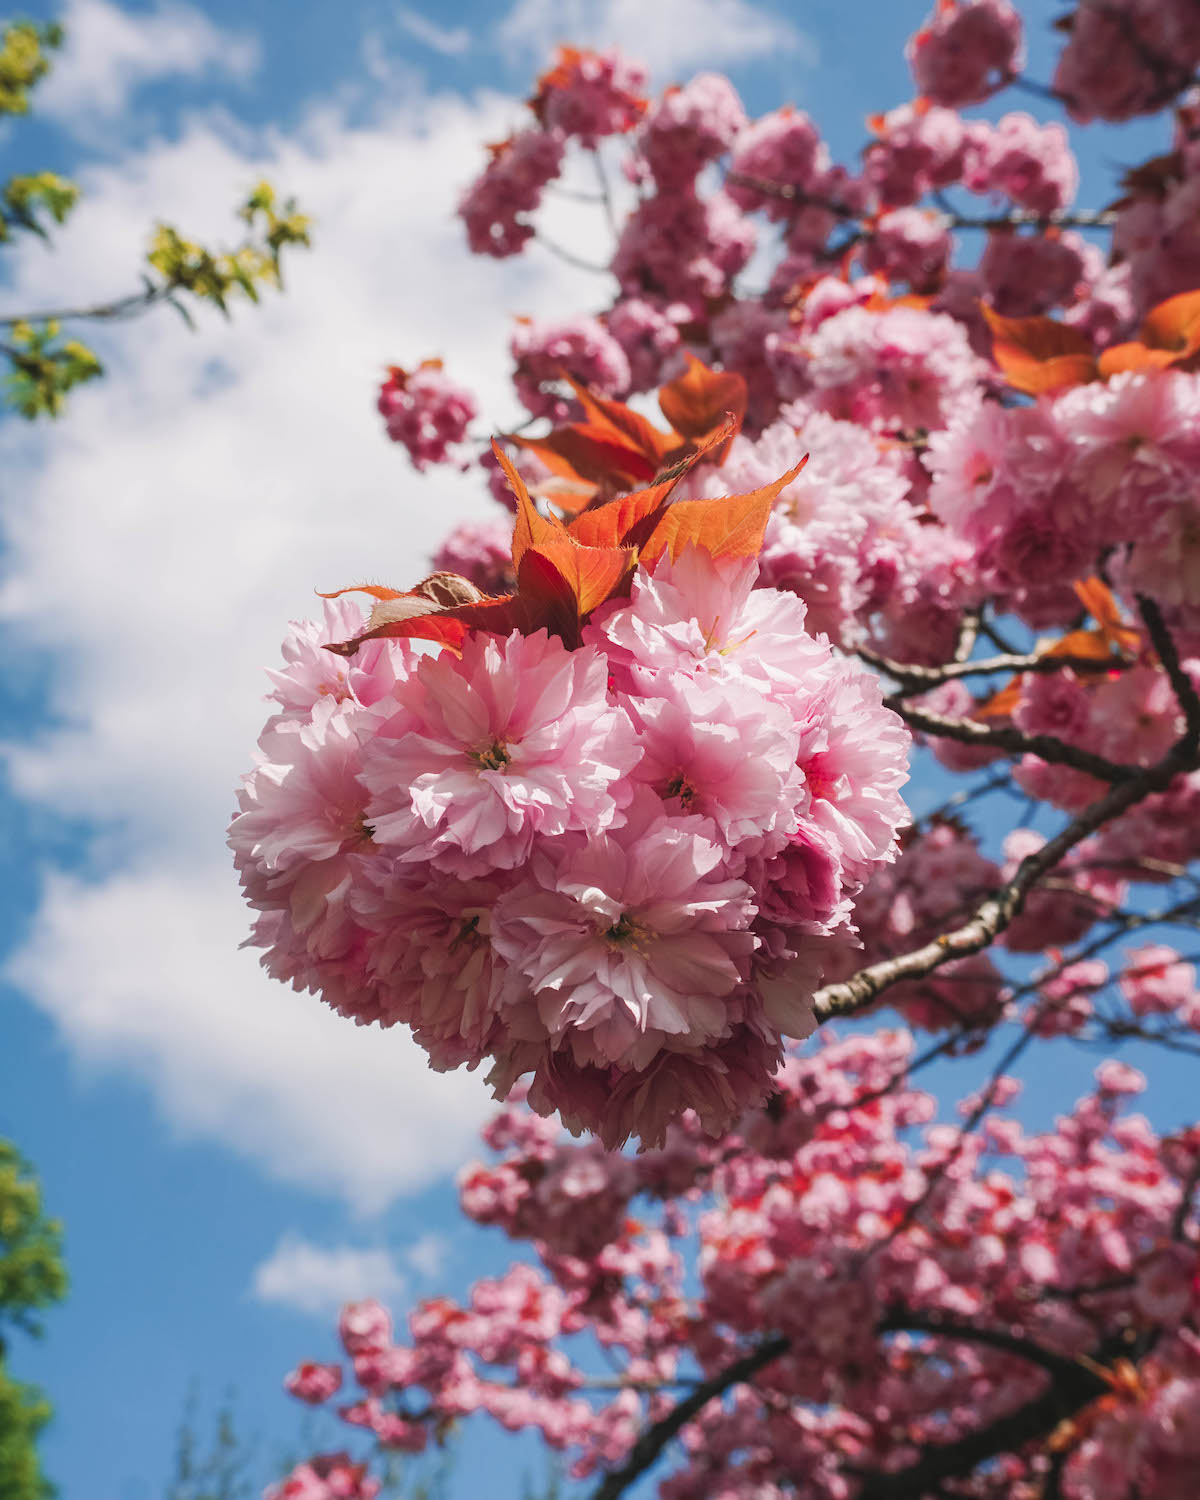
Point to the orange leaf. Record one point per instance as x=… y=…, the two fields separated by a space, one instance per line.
x=1001 y=703
x=729 y=527
x=567 y=581
x=629 y=519
x=1132 y=356
x=1038 y=354
x=376 y=591
x=530 y=528
x=1097 y=598
x=623 y=423
x=439 y=590
x=700 y=400
x=1174 y=325
x=569 y=495
x=1087 y=645
x=579 y=451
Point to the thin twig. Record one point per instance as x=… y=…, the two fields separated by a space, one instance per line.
x=605 y=193
x=121 y=307
x=570 y=257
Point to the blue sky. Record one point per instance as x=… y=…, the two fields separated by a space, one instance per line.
x=229 y=1157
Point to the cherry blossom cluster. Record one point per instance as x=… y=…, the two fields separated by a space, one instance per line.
x=1037 y=491
x=426 y=412
x=617 y=867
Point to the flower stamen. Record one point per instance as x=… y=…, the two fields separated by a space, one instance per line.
x=493 y=758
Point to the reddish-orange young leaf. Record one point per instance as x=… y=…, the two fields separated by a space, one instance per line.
x=569 y=495
x=883 y=302
x=439 y=590
x=624 y=424
x=548 y=597
x=376 y=591
x=628 y=520
x=448 y=627
x=1097 y=598
x=1002 y=703
x=579 y=451
x=566 y=582
x=609 y=525
x=530 y=528
x=566 y=63
x=1174 y=325
x=1038 y=354
x=729 y=527
x=1086 y=645
x=1132 y=356
x=701 y=399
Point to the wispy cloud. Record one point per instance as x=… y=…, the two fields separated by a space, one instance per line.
x=672 y=36
x=450 y=41
x=428 y=1255
x=111 y=53
x=313 y=1279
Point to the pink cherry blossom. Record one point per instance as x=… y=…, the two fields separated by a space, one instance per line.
x=630 y=936
x=966 y=51
x=716 y=749
x=426 y=412
x=314 y=1382
x=512 y=739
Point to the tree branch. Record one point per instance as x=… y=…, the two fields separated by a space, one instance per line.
x=1074 y=1388
x=1168 y=653
x=1014 y=742
x=919 y=679
x=1074 y=1382
x=903 y=1320
x=120 y=307
x=569 y=256
x=655 y=1438
x=1081 y=218
x=995 y=913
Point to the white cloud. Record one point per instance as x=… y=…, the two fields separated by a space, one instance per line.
x=428 y=1255
x=309 y=1279
x=673 y=36
x=109 y=53
x=143 y=972
x=160 y=537
x=449 y=41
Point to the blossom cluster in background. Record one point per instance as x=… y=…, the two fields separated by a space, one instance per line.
x=900 y=1334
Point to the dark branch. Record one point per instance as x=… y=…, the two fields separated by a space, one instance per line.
x=1072 y=1390
x=995 y=913
x=651 y=1443
x=902 y=1320
x=1074 y=1384
x=1168 y=653
x=1014 y=742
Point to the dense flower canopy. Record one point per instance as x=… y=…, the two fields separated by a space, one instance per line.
x=613 y=799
